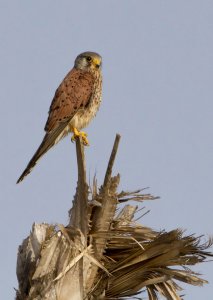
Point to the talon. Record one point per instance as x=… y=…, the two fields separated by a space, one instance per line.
x=81 y=134
x=73 y=138
x=84 y=138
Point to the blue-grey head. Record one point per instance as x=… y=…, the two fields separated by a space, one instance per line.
x=88 y=60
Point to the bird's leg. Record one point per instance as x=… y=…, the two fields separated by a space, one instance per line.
x=81 y=134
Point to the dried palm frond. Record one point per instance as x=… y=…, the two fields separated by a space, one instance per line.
x=139 y=258
x=104 y=253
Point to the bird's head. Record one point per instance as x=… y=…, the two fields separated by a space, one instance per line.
x=88 y=61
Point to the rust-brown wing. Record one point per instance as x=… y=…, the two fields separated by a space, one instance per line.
x=74 y=92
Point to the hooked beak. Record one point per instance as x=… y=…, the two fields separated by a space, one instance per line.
x=97 y=63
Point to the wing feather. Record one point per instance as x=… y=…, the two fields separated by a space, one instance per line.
x=73 y=93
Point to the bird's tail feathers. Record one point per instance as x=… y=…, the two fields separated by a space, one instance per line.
x=49 y=140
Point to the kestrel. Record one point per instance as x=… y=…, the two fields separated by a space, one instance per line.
x=74 y=105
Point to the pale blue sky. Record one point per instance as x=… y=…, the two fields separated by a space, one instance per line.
x=158 y=91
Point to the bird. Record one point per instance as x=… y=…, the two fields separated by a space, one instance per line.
x=74 y=105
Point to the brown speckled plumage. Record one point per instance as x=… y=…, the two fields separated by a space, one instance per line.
x=75 y=103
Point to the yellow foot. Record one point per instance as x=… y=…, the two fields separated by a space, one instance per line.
x=81 y=134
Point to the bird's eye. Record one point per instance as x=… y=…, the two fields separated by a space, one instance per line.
x=89 y=58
